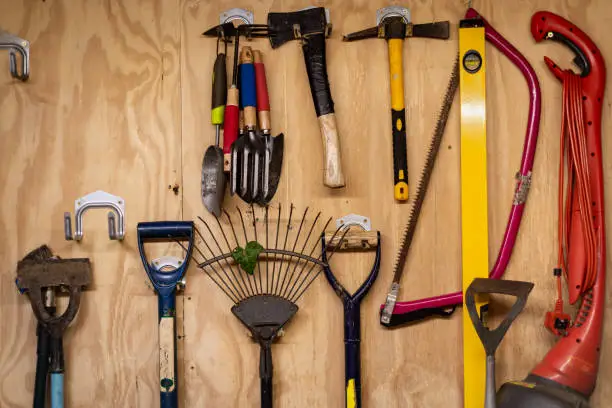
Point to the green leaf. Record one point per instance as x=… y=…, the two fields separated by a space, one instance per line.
x=247 y=257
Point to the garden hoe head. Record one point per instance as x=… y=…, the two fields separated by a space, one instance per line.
x=491 y=338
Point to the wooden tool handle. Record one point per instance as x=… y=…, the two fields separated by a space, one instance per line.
x=332 y=158
x=167 y=352
x=352 y=240
x=263 y=100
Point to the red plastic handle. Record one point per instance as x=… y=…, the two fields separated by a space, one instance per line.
x=263 y=100
x=231 y=120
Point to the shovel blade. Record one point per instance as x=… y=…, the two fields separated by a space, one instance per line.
x=213 y=180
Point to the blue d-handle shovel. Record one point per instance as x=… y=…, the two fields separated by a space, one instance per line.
x=165 y=283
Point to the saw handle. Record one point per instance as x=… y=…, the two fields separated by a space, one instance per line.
x=398 y=119
x=316 y=67
x=263 y=100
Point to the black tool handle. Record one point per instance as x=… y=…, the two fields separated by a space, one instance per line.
x=219 y=94
x=165 y=230
x=316 y=67
x=400 y=159
x=42 y=366
x=352 y=355
x=265 y=374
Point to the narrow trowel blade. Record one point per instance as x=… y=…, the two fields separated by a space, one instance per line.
x=213 y=180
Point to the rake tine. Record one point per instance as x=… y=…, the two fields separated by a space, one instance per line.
x=256 y=240
x=302 y=251
x=267 y=269
x=231 y=223
x=246 y=241
x=233 y=296
x=237 y=292
x=230 y=250
x=276 y=245
x=280 y=269
x=314 y=247
x=297 y=235
x=220 y=250
x=320 y=269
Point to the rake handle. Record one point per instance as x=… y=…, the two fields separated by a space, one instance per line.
x=265 y=374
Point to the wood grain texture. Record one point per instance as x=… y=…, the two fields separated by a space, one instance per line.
x=119 y=100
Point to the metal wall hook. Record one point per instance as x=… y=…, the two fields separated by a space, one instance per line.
x=97 y=199
x=15 y=45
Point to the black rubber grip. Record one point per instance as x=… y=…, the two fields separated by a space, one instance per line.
x=166 y=230
x=316 y=66
x=219 y=95
x=419 y=315
x=42 y=365
x=400 y=161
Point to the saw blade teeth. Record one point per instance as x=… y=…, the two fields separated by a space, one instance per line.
x=423 y=183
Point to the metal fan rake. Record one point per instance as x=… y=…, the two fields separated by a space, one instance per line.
x=264 y=264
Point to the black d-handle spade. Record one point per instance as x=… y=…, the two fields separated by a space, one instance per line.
x=165 y=283
x=352 y=323
x=491 y=338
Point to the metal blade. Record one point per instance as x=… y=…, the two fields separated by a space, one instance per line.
x=371 y=32
x=236 y=166
x=421 y=191
x=439 y=30
x=273 y=165
x=213 y=180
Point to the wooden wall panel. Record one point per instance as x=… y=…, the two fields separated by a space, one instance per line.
x=119 y=100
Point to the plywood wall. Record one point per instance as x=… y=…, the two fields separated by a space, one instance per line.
x=119 y=99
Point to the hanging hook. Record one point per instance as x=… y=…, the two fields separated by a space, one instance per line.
x=16 y=45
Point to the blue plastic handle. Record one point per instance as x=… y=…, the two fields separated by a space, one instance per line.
x=57 y=390
x=247 y=85
x=165 y=282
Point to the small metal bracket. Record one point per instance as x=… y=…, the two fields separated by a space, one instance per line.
x=97 y=199
x=170 y=262
x=354 y=220
x=237 y=14
x=385 y=317
x=392 y=11
x=15 y=45
x=523 y=183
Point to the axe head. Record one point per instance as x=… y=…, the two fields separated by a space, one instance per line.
x=298 y=24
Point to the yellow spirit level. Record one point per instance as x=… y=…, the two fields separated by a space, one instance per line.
x=474 y=211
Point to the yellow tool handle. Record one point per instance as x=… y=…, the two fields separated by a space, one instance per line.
x=474 y=211
x=398 y=119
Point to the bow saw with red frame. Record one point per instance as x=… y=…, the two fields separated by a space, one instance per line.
x=444 y=305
